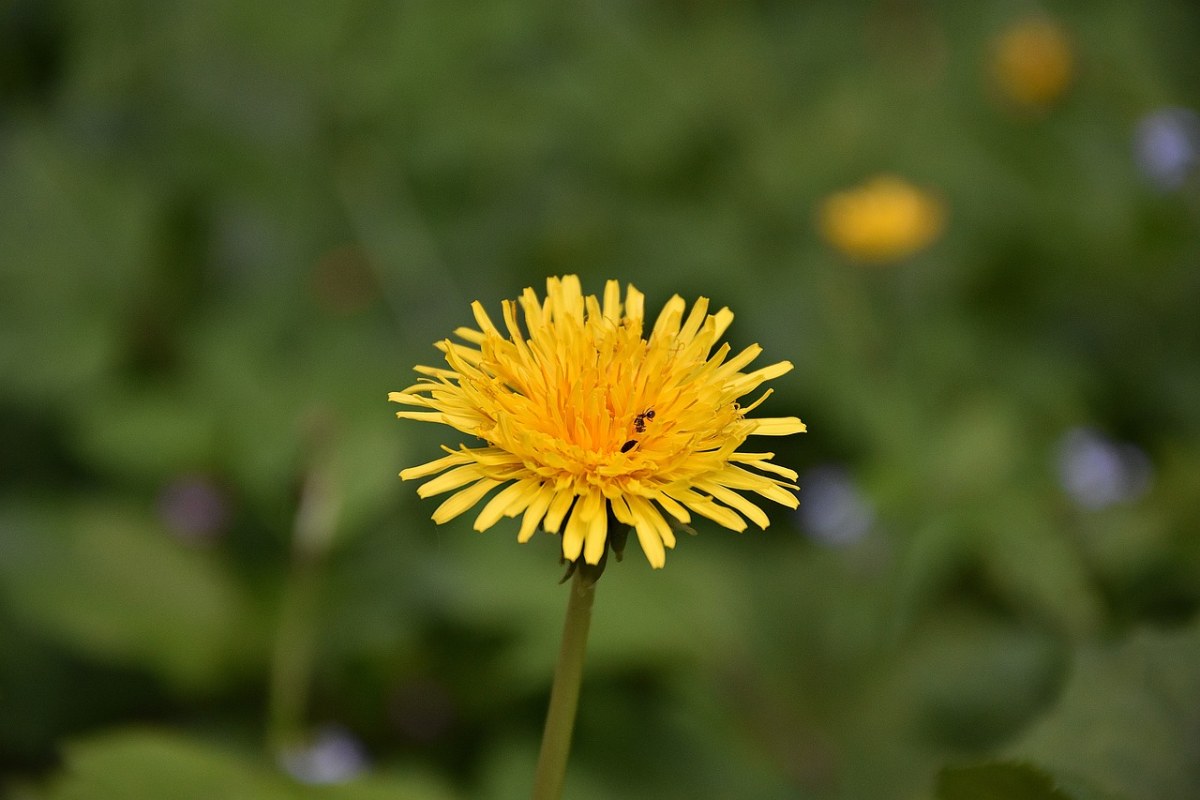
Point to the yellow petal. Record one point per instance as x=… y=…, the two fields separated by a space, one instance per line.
x=470 y=335
x=762 y=461
x=635 y=306
x=673 y=508
x=667 y=323
x=434 y=467
x=694 y=320
x=424 y=416
x=736 y=501
x=751 y=381
x=705 y=507
x=770 y=488
x=460 y=502
x=483 y=320
x=534 y=513
x=778 y=426
x=510 y=501
x=459 y=476
x=612 y=300
x=721 y=322
x=558 y=509
x=596 y=537
x=731 y=367
x=647 y=531
x=573 y=536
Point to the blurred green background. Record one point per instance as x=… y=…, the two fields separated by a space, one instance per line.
x=228 y=229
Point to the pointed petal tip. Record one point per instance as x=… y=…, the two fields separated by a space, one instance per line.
x=778 y=426
x=656 y=557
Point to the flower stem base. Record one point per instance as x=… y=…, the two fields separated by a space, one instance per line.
x=564 y=694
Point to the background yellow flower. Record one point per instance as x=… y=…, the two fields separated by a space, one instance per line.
x=1033 y=62
x=883 y=220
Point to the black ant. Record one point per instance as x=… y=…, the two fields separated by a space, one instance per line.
x=639 y=425
x=639 y=422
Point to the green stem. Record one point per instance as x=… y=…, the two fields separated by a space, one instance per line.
x=291 y=660
x=564 y=694
x=295 y=637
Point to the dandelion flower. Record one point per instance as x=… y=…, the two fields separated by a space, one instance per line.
x=883 y=220
x=1033 y=63
x=584 y=415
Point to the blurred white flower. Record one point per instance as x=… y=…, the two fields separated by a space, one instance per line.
x=332 y=756
x=832 y=509
x=1098 y=472
x=1167 y=146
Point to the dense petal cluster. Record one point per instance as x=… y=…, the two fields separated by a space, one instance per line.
x=582 y=413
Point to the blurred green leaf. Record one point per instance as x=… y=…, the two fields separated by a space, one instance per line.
x=1129 y=719
x=147 y=435
x=111 y=583
x=972 y=682
x=1038 y=570
x=152 y=765
x=148 y=765
x=75 y=236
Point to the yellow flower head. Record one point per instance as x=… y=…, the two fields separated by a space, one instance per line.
x=1033 y=63
x=582 y=414
x=881 y=221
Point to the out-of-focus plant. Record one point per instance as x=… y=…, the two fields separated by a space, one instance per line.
x=881 y=221
x=1033 y=63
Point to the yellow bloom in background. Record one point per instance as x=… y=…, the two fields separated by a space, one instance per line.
x=883 y=220
x=582 y=414
x=1033 y=62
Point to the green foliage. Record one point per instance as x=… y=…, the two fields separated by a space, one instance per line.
x=147 y=765
x=1130 y=715
x=1002 y=781
x=228 y=229
x=1011 y=780
x=108 y=582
